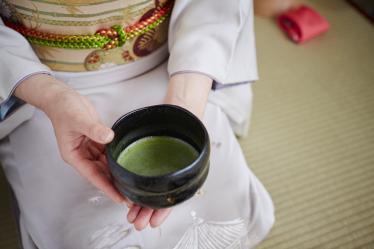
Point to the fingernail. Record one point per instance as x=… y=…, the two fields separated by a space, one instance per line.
x=139 y=228
x=130 y=219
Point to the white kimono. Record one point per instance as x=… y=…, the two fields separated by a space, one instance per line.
x=59 y=209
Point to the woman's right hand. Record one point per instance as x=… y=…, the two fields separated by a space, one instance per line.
x=80 y=134
x=81 y=138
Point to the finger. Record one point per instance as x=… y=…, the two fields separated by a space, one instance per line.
x=143 y=218
x=104 y=169
x=90 y=153
x=92 y=147
x=91 y=172
x=97 y=154
x=97 y=132
x=100 y=147
x=159 y=216
x=97 y=146
x=129 y=203
x=81 y=145
x=133 y=213
x=103 y=159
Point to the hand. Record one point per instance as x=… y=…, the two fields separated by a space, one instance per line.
x=81 y=137
x=80 y=134
x=142 y=216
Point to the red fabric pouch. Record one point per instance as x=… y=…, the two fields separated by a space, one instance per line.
x=302 y=23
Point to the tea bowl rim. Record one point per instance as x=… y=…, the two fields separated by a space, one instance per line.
x=204 y=153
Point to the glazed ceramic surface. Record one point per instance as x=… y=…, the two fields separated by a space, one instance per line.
x=168 y=189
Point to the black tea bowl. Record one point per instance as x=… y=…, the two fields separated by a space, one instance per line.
x=164 y=190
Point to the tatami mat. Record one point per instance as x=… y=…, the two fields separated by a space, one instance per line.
x=8 y=231
x=312 y=137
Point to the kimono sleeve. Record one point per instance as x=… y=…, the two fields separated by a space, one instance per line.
x=17 y=62
x=215 y=38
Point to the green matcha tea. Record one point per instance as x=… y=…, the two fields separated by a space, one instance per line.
x=157 y=155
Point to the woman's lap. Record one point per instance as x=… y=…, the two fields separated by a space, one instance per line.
x=62 y=210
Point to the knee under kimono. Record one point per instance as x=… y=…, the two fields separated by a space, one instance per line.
x=120 y=54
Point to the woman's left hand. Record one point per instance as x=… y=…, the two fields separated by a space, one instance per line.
x=142 y=216
x=190 y=91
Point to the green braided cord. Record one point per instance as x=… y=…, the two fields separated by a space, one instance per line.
x=93 y=41
x=122 y=36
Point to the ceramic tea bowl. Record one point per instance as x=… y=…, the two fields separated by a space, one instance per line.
x=162 y=190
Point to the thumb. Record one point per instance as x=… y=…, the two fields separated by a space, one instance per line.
x=99 y=133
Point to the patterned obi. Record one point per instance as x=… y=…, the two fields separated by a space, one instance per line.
x=87 y=35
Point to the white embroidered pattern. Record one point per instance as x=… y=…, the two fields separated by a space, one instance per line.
x=109 y=236
x=97 y=199
x=214 y=235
